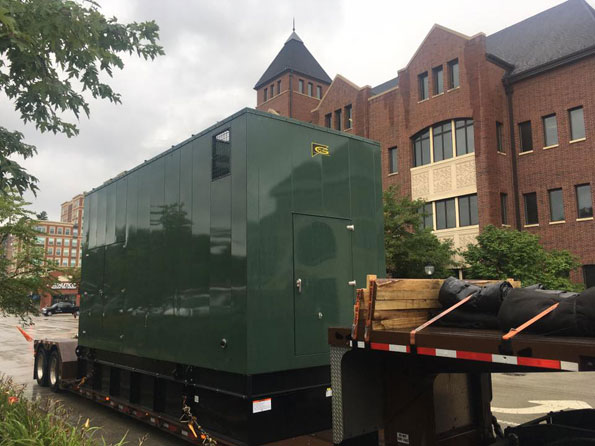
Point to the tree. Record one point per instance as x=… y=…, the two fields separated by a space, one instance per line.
x=23 y=272
x=409 y=247
x=43 y=215
x=504 y=253
x=51 y=52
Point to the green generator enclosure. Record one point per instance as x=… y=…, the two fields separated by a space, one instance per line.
x=235 y=250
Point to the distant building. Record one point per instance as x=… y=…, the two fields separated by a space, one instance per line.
x=489 y=130
x=72 y=211
x=61 y=242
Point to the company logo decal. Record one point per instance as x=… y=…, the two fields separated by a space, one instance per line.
x=320 y=149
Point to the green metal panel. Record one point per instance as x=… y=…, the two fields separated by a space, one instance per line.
x=178 y=262
x=323 y=268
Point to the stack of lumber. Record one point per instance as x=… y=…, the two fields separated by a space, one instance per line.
x=405 y=303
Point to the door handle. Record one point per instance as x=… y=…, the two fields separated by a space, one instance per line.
x=298 y=284
x=352 y=283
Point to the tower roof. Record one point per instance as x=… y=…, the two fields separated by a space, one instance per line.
x=294 y=56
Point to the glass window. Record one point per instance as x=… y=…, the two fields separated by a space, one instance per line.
x=442 y=136
x=465 y=136
x=392 y=160
x=60 y=230
x=59 y=241
x=445 y=214
x=66 y=242
x=550 y=130
x=67 y=231
x=301 y=86
x=75 y=232
x=319 y=92
x=221 y=155
x=73 y=252
x=453 y=73
x=278 y=87
x=468 y=210
x=50 y=250
x=500 y=137
x=423 y=86
x=556 y=205
x=72 y=262
x=310 y=89
x=427 y=211
x=338 y=119
x=40 y=240
x=577 y=123
x=421 y=149
x=64 y=262
x=504 y=208
x=328 y=120
x=348 y=118
x=50 y=241
x=75 y=242
x=531 y=217
x=66 y=252
x=584 y=201
x=438 y=78
x=265 y=95
x=525 y=136
x=52 y=230
x=272 y=90
x=58 y=251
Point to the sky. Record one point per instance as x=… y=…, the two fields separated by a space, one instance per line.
x=216 y=50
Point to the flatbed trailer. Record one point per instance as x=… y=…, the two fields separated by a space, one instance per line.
x=436 y=390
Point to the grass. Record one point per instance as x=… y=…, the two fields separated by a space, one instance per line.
x=43 y=422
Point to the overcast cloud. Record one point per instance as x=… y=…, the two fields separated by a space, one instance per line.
x=215 y=53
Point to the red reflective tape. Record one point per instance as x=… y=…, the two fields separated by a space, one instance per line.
x=379 y=346
x=426 y=351
x=474 y=356
x=172 y=428
x=536 y=362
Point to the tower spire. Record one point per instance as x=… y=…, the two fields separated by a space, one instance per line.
x=294 y=24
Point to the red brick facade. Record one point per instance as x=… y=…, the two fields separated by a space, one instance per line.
x=487 y=95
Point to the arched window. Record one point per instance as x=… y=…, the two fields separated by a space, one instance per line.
x=436 y=143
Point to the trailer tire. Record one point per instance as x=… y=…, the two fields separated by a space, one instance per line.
x=54 y=371
x=41 y=367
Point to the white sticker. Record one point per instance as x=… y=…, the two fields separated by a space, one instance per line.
x=261 y=405
x=329 y=392
x=402 y=438
x=196 y=398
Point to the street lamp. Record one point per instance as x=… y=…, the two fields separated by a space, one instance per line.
x=429 y=269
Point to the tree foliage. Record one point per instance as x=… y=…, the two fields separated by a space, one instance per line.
x=51 y=53
x=25 y=272
x=409 y=247
x=507 y=253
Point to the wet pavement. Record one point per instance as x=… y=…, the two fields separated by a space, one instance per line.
x=517 y=397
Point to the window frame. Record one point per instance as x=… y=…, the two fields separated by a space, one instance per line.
x=310 y=89
x=319 y=92
x=393 y=160
x=301 y=86
x=551 y=203
x=338 y=117
x=440 y=136
x=421 y=137
x=438 y=80
x=525 y=207
x=266 y=94
x=473 y=217
x=272 y=91
x=451 y=74
x=576 y=195
x=446 y=202
x=547 y=143
x=328 y=120
x=348 y=116
x=468 y=123
x=522 y=148
x=571 y=127
x=427 y=215
x=504 y=208
x=423 y=86
x=500 y=137
x=279 y=86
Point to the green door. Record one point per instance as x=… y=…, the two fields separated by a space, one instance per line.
x=323 y=270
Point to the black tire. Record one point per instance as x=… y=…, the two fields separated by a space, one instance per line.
x=41 y=367
x=54 y=371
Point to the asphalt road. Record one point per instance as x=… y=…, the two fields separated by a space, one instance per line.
x=517 y=398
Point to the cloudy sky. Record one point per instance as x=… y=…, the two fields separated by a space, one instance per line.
x=215 y=52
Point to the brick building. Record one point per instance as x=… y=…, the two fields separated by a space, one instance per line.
x=494 y=129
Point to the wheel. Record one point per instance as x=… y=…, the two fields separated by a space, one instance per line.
x=49 y=313
x=54 y=371
x=41 y=367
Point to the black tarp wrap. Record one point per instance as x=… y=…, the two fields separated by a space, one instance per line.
x=485 y=300
x=574 y=316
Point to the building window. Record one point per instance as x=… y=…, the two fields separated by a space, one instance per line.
x=59 y=241
x=58 y=251
x=556 y=205
x=75 y=242
x=72 y=262
x=446 y=214
x=468 y=210
x=328 y=118
x=348 y=118
x=272 y=90
x=531 y=217
x=504 y=208
x=60 y=230
x=40 y=240
x=73 y=252
x=550 y=130
x=66 y=242
x=500 y=137
x=310 y=89
x=67 y=231
x=221 y=155
x=438 y=79
x=66 y=252
x=265 y=94
x=301 y=86
x=75 y=232
x=319 y=92
x=584 y=201
x=50 y=250
x=427 y=220
x=50 y=241
x=423 y=86
x=421 y=149
x=465 y=136
x=278 y=87
x=577 y=123
x=525 y=136
x=453 y=73
x=392 y=160
x=64 y=262
x=338 y=119
x=52 y=230
x=442 y=137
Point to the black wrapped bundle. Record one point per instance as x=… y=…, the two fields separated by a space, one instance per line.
x=485 y=300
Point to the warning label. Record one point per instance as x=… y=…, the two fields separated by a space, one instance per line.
x=261 y=405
